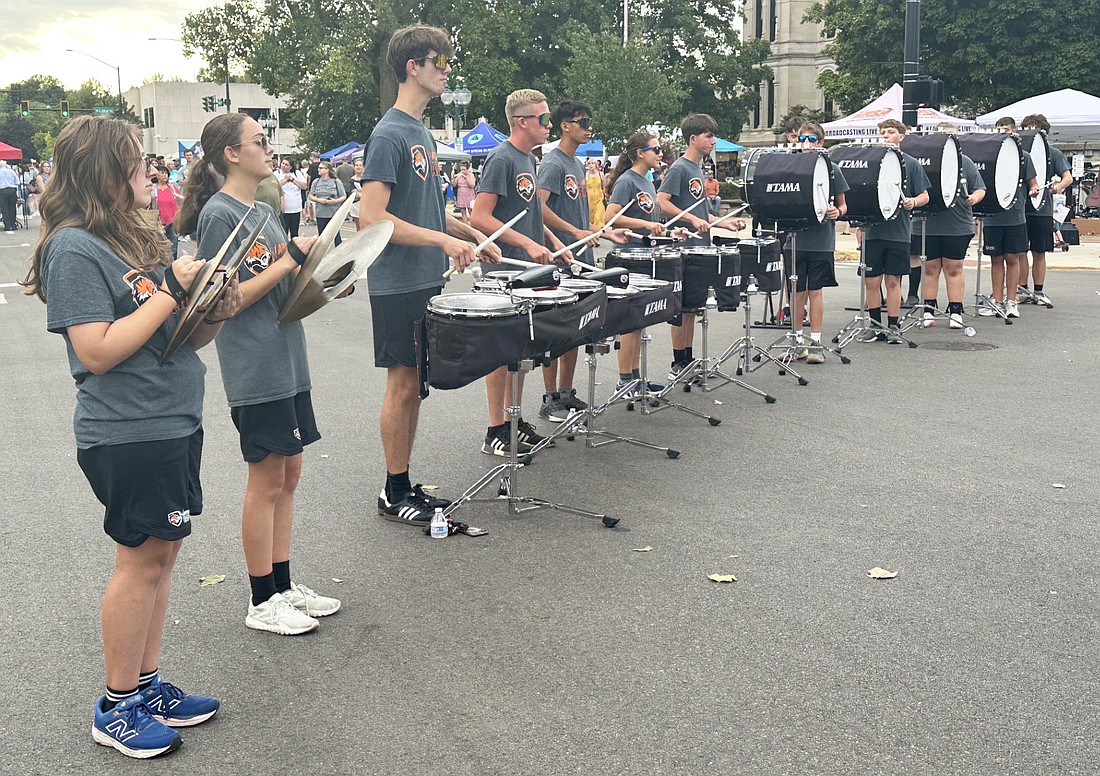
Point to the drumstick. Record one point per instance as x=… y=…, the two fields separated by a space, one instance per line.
x=597 y=233
x=683 y=213
x=603 y=229
x=482 y=245
x=728 y=215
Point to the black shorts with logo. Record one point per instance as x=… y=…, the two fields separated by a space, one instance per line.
x=999 y=240
x=815 y=270
x=1040 y=234
x=393 y=319
x=283 y=427
x=941 y=246
x=886 y=257
x=148 y=488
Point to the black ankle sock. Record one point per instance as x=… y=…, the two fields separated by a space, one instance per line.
x=115 y=697
x=397 y=485
x=931 y=304
x=281 y=572
x=679 y=356
x=688 y=355
x=262 y=588
x=146 y=679
x=625 y=378
x=1024 y=286
x=1038 y=288
x=892 y=320
x=914 y=282
x=954 y=307
x=636 y=374
x=875 y=313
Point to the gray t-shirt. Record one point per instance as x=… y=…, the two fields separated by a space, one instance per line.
x=1016 y=215
x=401 y=153
x=344 y=173
x=261 y=359
x=821 y=238
x=563 y=176
x=510 y=174
x=957 y=220
x=683 y=182
x=898 y=230
x=1058 y=165
x=327 y=189
x=137 y=400
x=637 y=197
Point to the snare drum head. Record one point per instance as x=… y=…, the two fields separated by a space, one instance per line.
x=629 y=253
x=580 y=285
x=644 y=282
x=472 y=305
x=700 y=252
x=502 y=274
x=545 y=297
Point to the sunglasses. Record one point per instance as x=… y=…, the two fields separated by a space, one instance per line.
x=655 y=149
x=441 y=61
x=544 y=118
x=585 y=123
x=810 y=138
x=262 y=142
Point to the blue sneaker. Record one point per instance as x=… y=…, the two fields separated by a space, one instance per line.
x=132 y=729
x=175 y=708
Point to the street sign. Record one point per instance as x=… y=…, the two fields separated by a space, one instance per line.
x=107 y=111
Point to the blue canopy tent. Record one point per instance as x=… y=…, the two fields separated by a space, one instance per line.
x=339 y=150
x=591 y=148
x=726 y=147
x=480 y=140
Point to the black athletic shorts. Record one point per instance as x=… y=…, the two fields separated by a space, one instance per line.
x=941 y=246
x=283 y=426
x=394 y=318
x=148 y=488
x=885 y=257
x=999 y=240
x=1040 y=234
x=815 y=270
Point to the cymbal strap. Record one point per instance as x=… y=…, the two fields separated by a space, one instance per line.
x=178 y=292
x=296 y=253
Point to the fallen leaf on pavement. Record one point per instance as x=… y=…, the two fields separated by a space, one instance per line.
x=337 y=581
x=211 y=579
x=647 y=548
x=430 y=488
x=1059 y=486
x=878 y=573
x=718 y=402
x=721 y=577
x=324 y=455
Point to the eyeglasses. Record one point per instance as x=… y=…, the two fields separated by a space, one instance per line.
x=441 y=61
x=810 y=138
x=544 y=118
x=655 y=149
x=261 y=141
x=585 y=123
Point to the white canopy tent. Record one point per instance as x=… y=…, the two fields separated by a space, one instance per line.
x=864 y=122
x=1074 y=116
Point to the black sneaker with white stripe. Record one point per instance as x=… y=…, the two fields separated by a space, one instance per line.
x=411 y=509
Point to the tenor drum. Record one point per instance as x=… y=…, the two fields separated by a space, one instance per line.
x=582 y=288
x=941 y=159
x=876 y=181
x=717 y=268
x=760 y=259
x=999 y=158
x=791 y=189
x=665 y=264
x=645 y=302
x=1035 y=143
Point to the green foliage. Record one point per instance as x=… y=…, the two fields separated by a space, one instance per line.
x=19 y=132
x=987 y=52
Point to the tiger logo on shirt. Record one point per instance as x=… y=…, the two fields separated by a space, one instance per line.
x=419 y=161
x=258 y=257
x=572 y=189
x=695 y=187
x=645 y=201
x=141 y=287
x=525 y=186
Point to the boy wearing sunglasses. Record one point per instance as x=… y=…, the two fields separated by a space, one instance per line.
x=400 y=184
x=508 y=185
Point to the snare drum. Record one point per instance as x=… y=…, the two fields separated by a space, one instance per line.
x=999 y=158
x=760 y=259
x=582 y=288
x=876 y=181
x=717 y=268
x=941 y=159
x=791 y=189
x=543 y=297
x=472 y=306
x=665 y=264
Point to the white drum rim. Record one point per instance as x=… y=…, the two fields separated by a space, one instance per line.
x=889 y=184
x=473 y=305
x=545 y=297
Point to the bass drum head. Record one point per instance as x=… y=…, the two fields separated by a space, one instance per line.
x=1035 y=143
x=822 y=188
x=950 y=172
x=1007 y=181
x=890 y=185
x=472 y=306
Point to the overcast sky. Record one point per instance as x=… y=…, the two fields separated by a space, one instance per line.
x=33 y=40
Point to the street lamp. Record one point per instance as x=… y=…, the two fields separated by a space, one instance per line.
x=460 y=98
x=118 y=74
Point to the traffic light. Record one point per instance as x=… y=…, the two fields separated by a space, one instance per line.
x=64 y=109
x=24 y=109
x=208 y=104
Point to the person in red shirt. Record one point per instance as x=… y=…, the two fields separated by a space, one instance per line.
x=166 y=200
x=714 y=202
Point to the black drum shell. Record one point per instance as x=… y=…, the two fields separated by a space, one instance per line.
x=763 y=263
x=862 y=198
x=983 y=148
x=662 y=264
x=717 y=268
x=929 y=151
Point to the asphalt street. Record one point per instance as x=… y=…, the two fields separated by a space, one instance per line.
x=551 y=646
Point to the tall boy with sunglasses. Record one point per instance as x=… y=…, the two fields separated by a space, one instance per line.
x=400 y=185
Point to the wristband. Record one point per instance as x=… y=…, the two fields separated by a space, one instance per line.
x=212 y=321
x=295 y=253
x=177 y=291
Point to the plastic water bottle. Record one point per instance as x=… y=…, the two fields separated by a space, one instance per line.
x=969 y=331
x=438 y=528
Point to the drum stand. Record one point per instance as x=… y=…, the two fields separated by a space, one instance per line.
x=507 y=473
x=915 y=316
x=863 y=322
x=746 y=349
x=652 y=403
x=984 y=300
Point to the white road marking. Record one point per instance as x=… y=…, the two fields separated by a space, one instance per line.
x=3 y=300
x=9 y=285
x=20 y=245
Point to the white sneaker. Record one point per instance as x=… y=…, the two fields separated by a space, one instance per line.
x=955 y=321
x=928 y=320
x=989 y=309
x=1012 y=309
x=278 y=615
x=308 y=602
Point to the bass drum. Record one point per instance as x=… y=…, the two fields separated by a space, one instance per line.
x=876 y=181
x=999 y=158
x=791 y=189
x=941 y=159
x=1034 y=142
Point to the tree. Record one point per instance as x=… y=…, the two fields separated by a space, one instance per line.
x=987 y=52
x=626 y=86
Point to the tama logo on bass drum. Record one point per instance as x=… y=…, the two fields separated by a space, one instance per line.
x=853 y=164
x=783 y=188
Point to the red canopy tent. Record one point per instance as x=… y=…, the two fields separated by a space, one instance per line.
x=9 y=152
